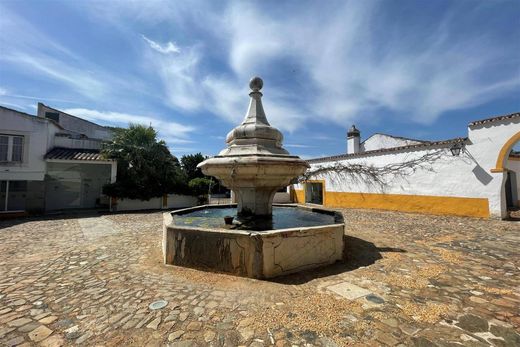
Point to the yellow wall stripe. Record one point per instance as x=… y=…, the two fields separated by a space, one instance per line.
x=439 y=205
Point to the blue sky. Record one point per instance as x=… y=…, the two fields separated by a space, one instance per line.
x=420 y=69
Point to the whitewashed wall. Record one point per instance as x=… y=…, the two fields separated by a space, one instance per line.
x=379 y=141
x=468 y=175
x=282 y=198
x=38 y=139
x=77 y=125
x=180 y=201
x=174 y=201
x=487 y=141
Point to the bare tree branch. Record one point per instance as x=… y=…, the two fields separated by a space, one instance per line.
x=371 y=174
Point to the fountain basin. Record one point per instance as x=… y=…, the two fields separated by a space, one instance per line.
x=295 y=239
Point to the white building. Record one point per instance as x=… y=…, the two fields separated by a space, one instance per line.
x=51 y=161
x=482 y=181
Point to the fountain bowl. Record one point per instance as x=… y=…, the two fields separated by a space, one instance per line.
x=296 y=238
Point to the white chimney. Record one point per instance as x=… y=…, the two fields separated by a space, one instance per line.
x=353 y=136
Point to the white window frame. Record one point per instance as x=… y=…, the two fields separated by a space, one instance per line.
x=10 y=145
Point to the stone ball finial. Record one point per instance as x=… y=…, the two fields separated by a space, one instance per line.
x=256 y=84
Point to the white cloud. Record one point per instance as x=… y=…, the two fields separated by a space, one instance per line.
x=170 y=47
x=296 y=145
x=346 y=71
x=327 y=61
x=81 y=80
x=180 y=77
x=39 y=98
x=10 y=104
x=177 y=140
x=31 y=52
x=170 y=131
x=3 y=91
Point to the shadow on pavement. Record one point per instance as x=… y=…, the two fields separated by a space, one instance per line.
x=357 y=253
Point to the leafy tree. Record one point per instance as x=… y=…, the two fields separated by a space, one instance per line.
x=201 y=186
x=145 y=166
x=189 y=165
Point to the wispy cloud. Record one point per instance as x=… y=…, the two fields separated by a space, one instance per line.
x=171 y=132
x=81 y=80
x=10 y=104
x=296 y=145
x=39 y=98
x=351 y=62
x=169 y=47
x=31 y=52
x=348 y=66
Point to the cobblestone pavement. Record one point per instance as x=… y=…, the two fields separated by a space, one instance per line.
x=412 y=280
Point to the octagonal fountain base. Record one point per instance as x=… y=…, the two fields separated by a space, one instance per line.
x=296 y=238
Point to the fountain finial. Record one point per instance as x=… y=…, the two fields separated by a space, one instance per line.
x=256 y=84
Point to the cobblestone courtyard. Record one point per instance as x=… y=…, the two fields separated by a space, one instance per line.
x=412 y=280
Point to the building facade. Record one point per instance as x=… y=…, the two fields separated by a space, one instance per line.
x=51 y=161
x=477 y=175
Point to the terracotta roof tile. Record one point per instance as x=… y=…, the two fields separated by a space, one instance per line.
x=494 y=119
x=422 y=145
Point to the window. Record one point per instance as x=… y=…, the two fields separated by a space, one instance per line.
x=314 y=193
x=53 y=115
x=17 y=149
x=11 y=148
x=4 y=146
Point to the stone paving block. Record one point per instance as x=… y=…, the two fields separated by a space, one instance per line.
x=28 y=327
x=19 y=322
x=40 y=333
x=16 y=341
x=53 y=341
x=349 y=291
x=48 y=320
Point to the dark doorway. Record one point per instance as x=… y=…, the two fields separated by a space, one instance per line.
x=314 y=193
x=511 y=192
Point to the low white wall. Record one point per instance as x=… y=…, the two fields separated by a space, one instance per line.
x=174 y=201
x=282 y=198
x=180 y=201
x=135 y=205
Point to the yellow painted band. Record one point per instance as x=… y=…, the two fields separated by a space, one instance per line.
x=438 y=205
x=300 y=196
x=499 y=167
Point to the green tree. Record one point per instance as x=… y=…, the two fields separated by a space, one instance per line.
x=200 y=187
x=189 y=165
x=145 y=166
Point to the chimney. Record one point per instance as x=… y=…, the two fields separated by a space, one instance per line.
x=41 y=110
x=353 y=136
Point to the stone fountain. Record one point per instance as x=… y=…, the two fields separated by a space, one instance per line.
x=263 y=241
x=254 y=165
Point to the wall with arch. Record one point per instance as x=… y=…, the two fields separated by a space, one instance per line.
x=465 y=185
